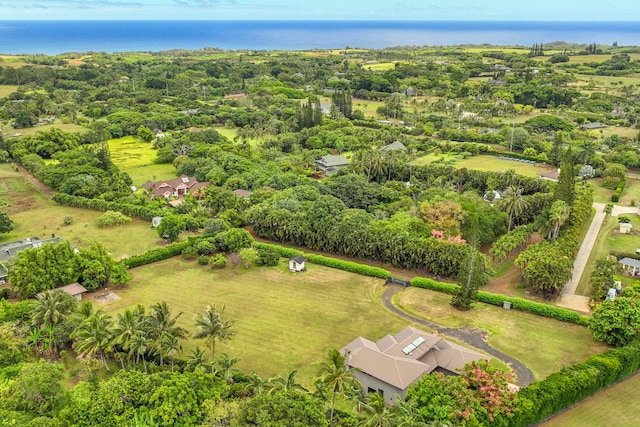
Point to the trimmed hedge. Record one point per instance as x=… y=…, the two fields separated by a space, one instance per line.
x=284 y=252
x=157 y=254
x=521 y=304
x=353 y=267
x=570 y=385
x=135 y=211
x=615 y=197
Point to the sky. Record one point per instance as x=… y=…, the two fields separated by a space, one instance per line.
x=431 y=10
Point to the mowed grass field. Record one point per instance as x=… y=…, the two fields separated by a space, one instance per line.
x=557 y=344
x=486 y=163
x=35 y=215
x=65 y=127
x=283 y=320
x=6 y=90
x=617 y=406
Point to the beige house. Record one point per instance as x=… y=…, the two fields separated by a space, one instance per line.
x=630 y=266
x=75 y=290
x=178 y=187
x=392 y=364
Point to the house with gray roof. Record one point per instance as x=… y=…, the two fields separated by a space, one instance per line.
x=9 y=251
x=592 y=126
x=394 y=146
x=631 y=266
x=393 y=363
x=331 y=163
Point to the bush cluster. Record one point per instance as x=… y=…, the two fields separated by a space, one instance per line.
x=615 y=197
x=135 y=211
x=157 y=254
x=572 y=384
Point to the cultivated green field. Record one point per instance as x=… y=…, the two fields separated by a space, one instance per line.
x=284 y=320
x=484 y=162
x=557 y=344
x=65 y=127
x=135 y=157
x=617 y=406
x=36 y=215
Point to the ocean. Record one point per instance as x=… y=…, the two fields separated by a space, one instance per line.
x=54 y=37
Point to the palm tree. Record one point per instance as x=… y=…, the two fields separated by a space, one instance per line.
x=212 y=327
x=52 y=308
x=138 y=346
x=93 y=337
x=558 y=215
x=513 y=203
x=197 y=360
x=128 y=324
x=256 y=384
x=162 y=324
x=168 y=345
x=226 y=366
x=380 y=415
x=285 y=384
x=336 y=376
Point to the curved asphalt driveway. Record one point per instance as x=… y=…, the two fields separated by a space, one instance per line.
x=467 y=334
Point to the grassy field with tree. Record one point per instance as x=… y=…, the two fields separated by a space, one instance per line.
x=484 y=162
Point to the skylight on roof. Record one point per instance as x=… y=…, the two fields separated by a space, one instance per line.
x=408 y=349
x=185 y=179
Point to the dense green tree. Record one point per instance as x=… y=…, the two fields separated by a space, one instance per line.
x=285 y=408
x=513 y=203
x=616 y=322
x=6 y=224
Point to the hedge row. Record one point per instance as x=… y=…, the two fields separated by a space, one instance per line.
x=283 y=251
x=510 y=154
x=615 y=197
x=135 y=211
x=521 y=304
x=157 y=254
x=570 y=385
x=353 y=267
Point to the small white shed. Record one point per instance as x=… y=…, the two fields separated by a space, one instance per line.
x=297 y=263
x=155 y=221
x=625 y=228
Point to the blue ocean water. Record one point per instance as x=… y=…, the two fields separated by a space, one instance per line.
x=54 y=37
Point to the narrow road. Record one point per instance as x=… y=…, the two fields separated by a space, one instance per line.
x=568 y=297
x=467 y=334
x=40 y=186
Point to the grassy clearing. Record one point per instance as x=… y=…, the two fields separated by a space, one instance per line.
x=36 y=215
x=557 y=344
x=383 y=66
x=283 y=320
x=609 y=80
x=229 y=133
x=617 y=406
x=142 y=174
x=135 y=157
x=65 y=127
x=6 y=90
x=487 y=163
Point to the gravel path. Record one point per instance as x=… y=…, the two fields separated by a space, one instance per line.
x=467 y=334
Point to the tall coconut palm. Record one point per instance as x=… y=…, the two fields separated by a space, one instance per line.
x=197 y=361
x=558 y=215
x=128 y=324
x=52 y=308
x=336 y=376
x=226 y=365
x=93 y=337
x=513 y=203
x=211 y=326
x=379 y=414
x=168 y=345
x=160 y=321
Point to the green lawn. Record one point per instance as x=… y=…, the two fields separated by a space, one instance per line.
x=557 y=344
x=617 y=406
x=135 y=157
x=284 y=321
x=65 y=127
x=484 y=162
x=36 y=215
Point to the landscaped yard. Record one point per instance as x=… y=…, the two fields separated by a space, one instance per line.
x=487 y=163
x=284 y=320
x=617 y=406
x=609 y=239
x=36 y=215
x=542 y=344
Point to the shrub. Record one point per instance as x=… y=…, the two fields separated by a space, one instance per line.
x=203 y=260
x=190 y=252
x=284 y=252
x=218 y=261
x=135 y=211
x=67 y=220
x=111 y=218
x=267 y=256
